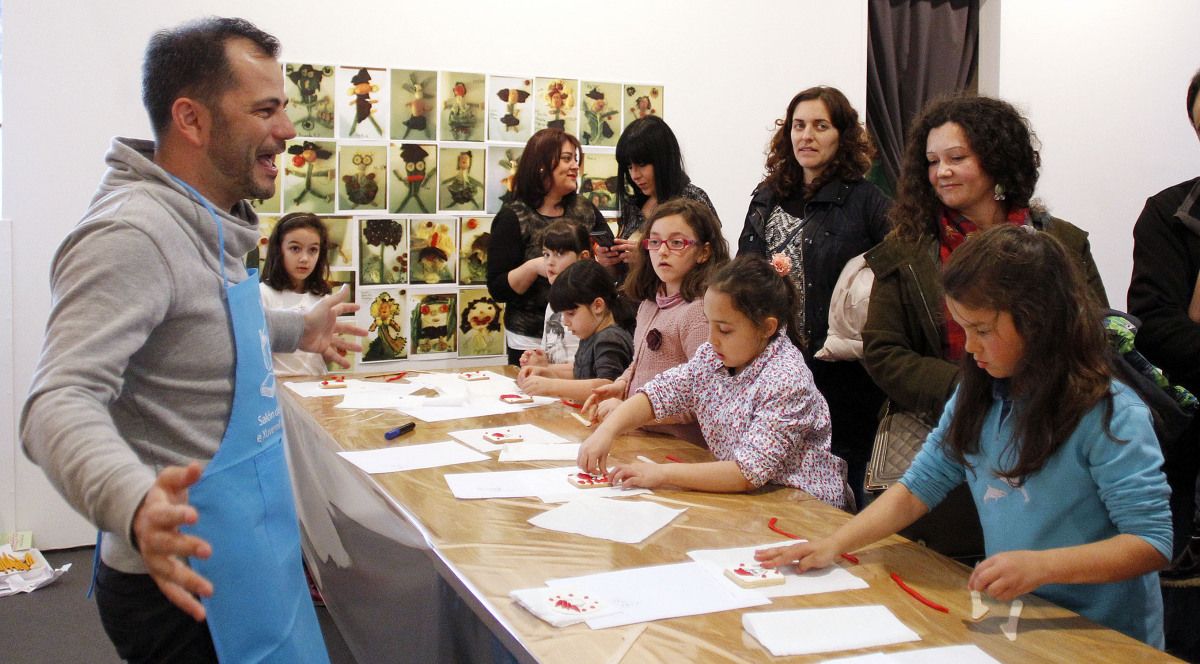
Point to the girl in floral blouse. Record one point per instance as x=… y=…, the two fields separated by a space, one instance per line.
x=750 y=391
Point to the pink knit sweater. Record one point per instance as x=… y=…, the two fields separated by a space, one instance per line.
x=683 y=328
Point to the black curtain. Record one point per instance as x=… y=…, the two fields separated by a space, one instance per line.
x=917 y=50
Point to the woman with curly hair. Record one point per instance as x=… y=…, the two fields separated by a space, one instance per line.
x=970 y=163
x=814 y=207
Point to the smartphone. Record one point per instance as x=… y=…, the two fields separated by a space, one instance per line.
x=601 y=238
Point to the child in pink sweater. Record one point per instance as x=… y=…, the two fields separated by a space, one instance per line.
x=682 y=248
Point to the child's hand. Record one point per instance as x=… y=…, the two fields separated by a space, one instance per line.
x=639 y=475
x=593 y=453
x=1008 y=575
x=605 y=408
x=532 y=383
x=613 y=390
x=534 y=358
x=538 y=264
x=805 y=555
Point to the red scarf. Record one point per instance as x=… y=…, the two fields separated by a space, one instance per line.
x=954 y=229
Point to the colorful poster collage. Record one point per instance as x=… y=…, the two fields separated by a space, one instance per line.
x=407 y=167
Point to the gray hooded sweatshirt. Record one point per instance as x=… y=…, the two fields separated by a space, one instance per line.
x=137 y=367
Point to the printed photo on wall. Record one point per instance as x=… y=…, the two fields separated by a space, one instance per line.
x=474 y=241
x=271 y=205
x=434 y=323
x=362 y=177
x=310 y=91
x=383 y=313
x=482 y=324
x=502 y=174
x=601 y=108
x=343 y=238
x=642 y=100
x=510 y=108
x=308 y=181
x=258 y=255
x=339 y=278
x=461 y=177
x=556 y=104
x=383 y=251
x=414 y=104
x=362 y=107
x=412 y=187
x=599 y=180
x=462 y=106
x=432 y=256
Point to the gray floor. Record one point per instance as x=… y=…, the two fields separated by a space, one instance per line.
x=59 y=623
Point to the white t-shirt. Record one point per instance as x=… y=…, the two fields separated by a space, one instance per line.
x=299 y=363
x=559 y=343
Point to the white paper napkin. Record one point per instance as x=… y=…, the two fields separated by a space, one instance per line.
x=806 y=631
x=627 y=521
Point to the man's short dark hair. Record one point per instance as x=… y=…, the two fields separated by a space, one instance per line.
x=189 y=60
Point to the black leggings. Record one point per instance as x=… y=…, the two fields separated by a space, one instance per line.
x=144 y=625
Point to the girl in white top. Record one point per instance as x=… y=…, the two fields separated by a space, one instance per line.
x=295 y=277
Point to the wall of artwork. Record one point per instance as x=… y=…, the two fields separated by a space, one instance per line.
x=729 y=71
x=406 y=167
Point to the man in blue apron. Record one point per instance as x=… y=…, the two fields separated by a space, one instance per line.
x=153 y=407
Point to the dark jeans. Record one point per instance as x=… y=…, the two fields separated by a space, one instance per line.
x=144 y=625
x=514 y=356
x=854 y=404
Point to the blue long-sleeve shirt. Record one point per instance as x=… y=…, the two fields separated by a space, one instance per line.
x=1091 y=489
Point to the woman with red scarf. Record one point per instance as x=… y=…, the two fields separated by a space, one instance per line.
x=970 y=163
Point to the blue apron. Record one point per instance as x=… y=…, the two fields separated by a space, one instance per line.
x=260 y=610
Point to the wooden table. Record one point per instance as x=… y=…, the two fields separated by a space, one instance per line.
x=485 y=548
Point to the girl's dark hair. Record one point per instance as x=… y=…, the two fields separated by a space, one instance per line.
x=784 y=174
x=759 y=292
x=643 y=282
x=649 y=140
x=584 y=281
x=274 y=273
x=564 y=235
x=999 y=136
x=1066 y=367
x=537 y=162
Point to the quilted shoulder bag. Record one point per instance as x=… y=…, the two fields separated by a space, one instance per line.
x=897 y=440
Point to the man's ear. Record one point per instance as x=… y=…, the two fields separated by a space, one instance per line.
x=192 y=120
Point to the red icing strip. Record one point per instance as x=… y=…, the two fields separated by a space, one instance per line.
x=919 y=597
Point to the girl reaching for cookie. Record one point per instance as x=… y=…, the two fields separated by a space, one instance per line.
x=1060 y=458
x=751 y=393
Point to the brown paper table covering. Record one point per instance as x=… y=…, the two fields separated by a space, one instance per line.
x=485 y=549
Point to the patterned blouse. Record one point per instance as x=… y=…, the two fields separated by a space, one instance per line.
x=632 y=218
x=769 y=417
x=785 y=234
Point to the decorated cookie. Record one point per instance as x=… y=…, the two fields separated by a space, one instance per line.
x=753 y=576
x=472 y=376
x=516 y=398
x=502 y=436
x=589 y=481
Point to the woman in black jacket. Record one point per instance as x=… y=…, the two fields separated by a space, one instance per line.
x=814 y=207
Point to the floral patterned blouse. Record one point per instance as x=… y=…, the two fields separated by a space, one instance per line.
x=769 y=417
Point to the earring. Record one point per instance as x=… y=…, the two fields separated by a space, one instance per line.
x=999 y=195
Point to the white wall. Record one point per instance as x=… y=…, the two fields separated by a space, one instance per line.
x=71 y=81
x=1104 y=85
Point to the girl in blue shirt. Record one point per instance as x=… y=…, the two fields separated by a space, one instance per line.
x=1061 y=460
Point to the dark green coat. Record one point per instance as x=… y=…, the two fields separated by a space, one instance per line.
x=905 y=330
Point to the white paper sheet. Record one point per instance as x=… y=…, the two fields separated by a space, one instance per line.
x=659 y=592
x=563 y=606
x=547 y=484
x=967 y=654
x=530 y=432
x=624 y=521
x=412 y=457
x=830 y=579
x=806 y=631
x=539 y=452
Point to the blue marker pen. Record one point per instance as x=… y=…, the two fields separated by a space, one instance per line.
x=400 y=430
